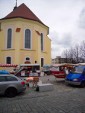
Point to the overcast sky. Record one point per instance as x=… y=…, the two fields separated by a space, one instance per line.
x=65 y=18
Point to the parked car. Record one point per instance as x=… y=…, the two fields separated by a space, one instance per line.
x=4 y=72
x=76 y=77
x=10 y=85
x=46 y=69
x=58 y=70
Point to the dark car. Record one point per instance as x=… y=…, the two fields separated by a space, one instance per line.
x=46 y=69
x=10 y=85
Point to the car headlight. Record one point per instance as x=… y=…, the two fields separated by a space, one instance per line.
x=75 y=80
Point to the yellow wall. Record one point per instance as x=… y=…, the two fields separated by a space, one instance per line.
x=18 y=53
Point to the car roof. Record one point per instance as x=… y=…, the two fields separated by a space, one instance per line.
x=4 y=72
x=6 y=75
x=83 y=66
x=9 y=75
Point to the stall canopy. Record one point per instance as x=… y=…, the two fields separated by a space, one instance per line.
x=8 y=65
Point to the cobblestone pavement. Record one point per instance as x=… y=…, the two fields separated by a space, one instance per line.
x=63 y=99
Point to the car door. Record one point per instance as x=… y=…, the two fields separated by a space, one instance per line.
x=83 y=75
x=3 y=84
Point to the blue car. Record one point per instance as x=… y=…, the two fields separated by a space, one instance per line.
x=76 y=77
x=4 y=72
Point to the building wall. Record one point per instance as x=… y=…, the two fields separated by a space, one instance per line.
x=18 y=53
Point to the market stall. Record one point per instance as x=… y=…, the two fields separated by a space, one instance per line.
x=9 y=67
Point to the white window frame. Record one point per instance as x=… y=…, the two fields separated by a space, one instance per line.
x=27 y=57
x=30 y=39
x=6 y=59
x=7 y=38
x=43 y=42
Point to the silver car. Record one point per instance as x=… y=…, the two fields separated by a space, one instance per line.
x=10 y=85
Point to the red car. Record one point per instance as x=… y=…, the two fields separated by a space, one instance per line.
x=58 y=71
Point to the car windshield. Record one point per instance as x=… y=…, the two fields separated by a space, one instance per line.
x=46 y=67
x=79 y=69
x=55 y=68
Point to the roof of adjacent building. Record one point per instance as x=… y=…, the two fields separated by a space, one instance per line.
x=23 y=11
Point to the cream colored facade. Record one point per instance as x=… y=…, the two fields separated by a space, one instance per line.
x=17 y=52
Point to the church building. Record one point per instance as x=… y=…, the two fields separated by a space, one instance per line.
x=24 y=37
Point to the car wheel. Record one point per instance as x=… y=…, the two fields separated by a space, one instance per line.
x=83 y=84
x=11 y=92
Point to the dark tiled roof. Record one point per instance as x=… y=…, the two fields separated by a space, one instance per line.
x=23 y=12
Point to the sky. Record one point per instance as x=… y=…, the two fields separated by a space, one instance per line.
x=65 y=19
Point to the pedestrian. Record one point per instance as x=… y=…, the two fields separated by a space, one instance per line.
x=66 y=71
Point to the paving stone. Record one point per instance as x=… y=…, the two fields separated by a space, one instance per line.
x=63 y=99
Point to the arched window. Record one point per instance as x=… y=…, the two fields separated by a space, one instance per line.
x=8 y=60
x=42 y=42
x=27 y=39
x=27 y=58
x=9 y=38
x=27 y=61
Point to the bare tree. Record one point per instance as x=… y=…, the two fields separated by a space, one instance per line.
x=65 y=53
x=76 y=53
x=70 y=55
x=82 y=48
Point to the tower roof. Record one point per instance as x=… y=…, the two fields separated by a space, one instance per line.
x=23 y=12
